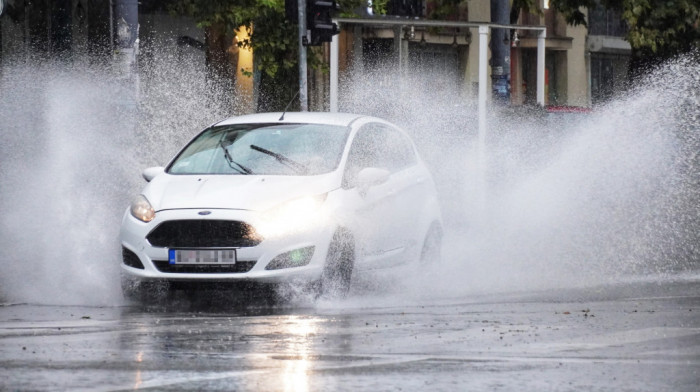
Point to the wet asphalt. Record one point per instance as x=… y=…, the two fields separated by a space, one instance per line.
x=636 y=336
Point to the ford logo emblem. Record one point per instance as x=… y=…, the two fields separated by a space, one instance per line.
x=204 y=212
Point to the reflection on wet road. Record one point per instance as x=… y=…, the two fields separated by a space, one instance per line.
x=639 y=336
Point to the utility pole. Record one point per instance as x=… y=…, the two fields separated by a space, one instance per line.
x=2 y=8
x=126 y=19
x=303 y=93
x=500 y=52
x=316 y=26
x=126 y=49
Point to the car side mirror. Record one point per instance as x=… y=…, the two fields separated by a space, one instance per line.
x=152 y=172
x=371 y=176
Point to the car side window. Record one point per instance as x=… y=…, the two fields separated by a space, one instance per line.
x=398 y=150
x=377 y=145
x=363 y=153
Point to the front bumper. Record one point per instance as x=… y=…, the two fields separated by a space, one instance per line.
x=252 y=259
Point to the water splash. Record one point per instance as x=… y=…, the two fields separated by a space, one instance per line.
x=76 y=138
x=604 y=197
x=574 y=202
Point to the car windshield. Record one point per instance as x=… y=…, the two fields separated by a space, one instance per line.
x=272 y=149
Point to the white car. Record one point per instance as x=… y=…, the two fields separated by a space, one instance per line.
x=278 y=198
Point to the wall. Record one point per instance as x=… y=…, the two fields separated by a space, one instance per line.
x=578 y=92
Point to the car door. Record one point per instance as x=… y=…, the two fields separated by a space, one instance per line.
x=410 y=185
x=378 y=217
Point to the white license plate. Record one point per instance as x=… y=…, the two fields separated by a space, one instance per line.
x=202 y=256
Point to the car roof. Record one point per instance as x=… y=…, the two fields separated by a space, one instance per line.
x=343 y=119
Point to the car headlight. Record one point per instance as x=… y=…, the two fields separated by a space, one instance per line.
x=294 y=215
x=142 y=210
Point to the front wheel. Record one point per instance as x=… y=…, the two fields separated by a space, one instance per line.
x=138 y=290
x=337 y=273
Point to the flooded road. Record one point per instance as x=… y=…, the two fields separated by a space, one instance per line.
x=591 y=203
x=642 y=335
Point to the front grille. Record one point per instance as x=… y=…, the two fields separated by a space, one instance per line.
x=203 y=234
x=239 y=267
x=131 y=259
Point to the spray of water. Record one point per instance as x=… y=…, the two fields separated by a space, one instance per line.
x=75 y=139
x=581 y=201
x=558 y=202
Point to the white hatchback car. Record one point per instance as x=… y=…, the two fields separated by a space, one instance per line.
x=272 y=198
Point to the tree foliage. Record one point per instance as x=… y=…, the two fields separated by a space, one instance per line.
x=661 y=28
x=272 y=38
x=656 y=28
x=571 y=10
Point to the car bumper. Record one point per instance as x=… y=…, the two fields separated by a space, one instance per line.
x=133 y=236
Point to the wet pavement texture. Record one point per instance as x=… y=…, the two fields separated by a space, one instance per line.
x=640 y=336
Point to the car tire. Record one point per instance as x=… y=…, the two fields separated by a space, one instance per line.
x=142 y=291
x=431 y=253
x=337 y=272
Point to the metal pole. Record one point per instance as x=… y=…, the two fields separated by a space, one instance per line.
x=382 y=21
x=540 y=67
x=127 y=17
x=334 y=73
x=500 y=52
x=397 y=47
x=483 y=80
x=483 y=96
x=127 y=23
x=303 y=97
x=111 y=28
x=2 y=7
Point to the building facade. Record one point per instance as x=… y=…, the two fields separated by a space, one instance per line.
x=584 y=66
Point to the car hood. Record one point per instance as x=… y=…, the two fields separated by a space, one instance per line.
x=243 y=192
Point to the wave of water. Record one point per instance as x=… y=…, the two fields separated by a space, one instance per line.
x=582 y=201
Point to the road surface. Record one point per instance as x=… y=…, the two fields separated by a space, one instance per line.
x=642 y=335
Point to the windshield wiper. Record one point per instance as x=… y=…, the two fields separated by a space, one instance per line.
x=292 y=164
x=241 y=169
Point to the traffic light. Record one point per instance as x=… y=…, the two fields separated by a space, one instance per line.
x=319 y=21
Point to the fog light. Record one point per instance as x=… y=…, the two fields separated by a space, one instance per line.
x=131 y=259
x=294 y=258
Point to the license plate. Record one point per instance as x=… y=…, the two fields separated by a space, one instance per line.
x=202 y=256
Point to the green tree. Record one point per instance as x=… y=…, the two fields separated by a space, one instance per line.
x=272 y=38
x=658 y=29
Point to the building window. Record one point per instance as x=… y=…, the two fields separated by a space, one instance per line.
x=602 y=21
x=608 y=75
